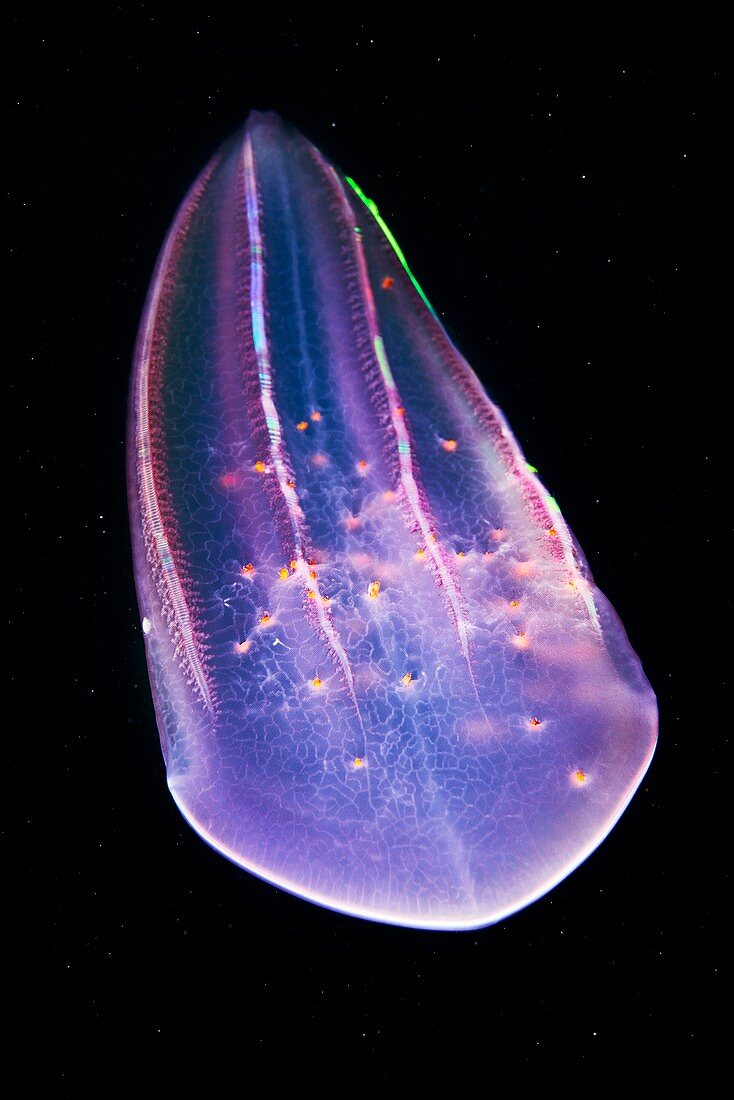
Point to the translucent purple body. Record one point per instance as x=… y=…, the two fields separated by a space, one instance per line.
x=383 y=676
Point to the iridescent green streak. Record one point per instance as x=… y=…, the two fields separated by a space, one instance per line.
x=371 y=206
x=382 y=360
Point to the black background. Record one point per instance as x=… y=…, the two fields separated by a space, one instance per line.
x=557 y=189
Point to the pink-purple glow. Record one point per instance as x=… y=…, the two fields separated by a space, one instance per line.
x=384 y=678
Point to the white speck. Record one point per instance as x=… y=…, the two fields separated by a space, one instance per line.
x=147 y=625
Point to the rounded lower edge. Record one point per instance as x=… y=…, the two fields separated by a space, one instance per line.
x=427 y=924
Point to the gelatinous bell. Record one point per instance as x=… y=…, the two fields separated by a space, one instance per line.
x=383 y=675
